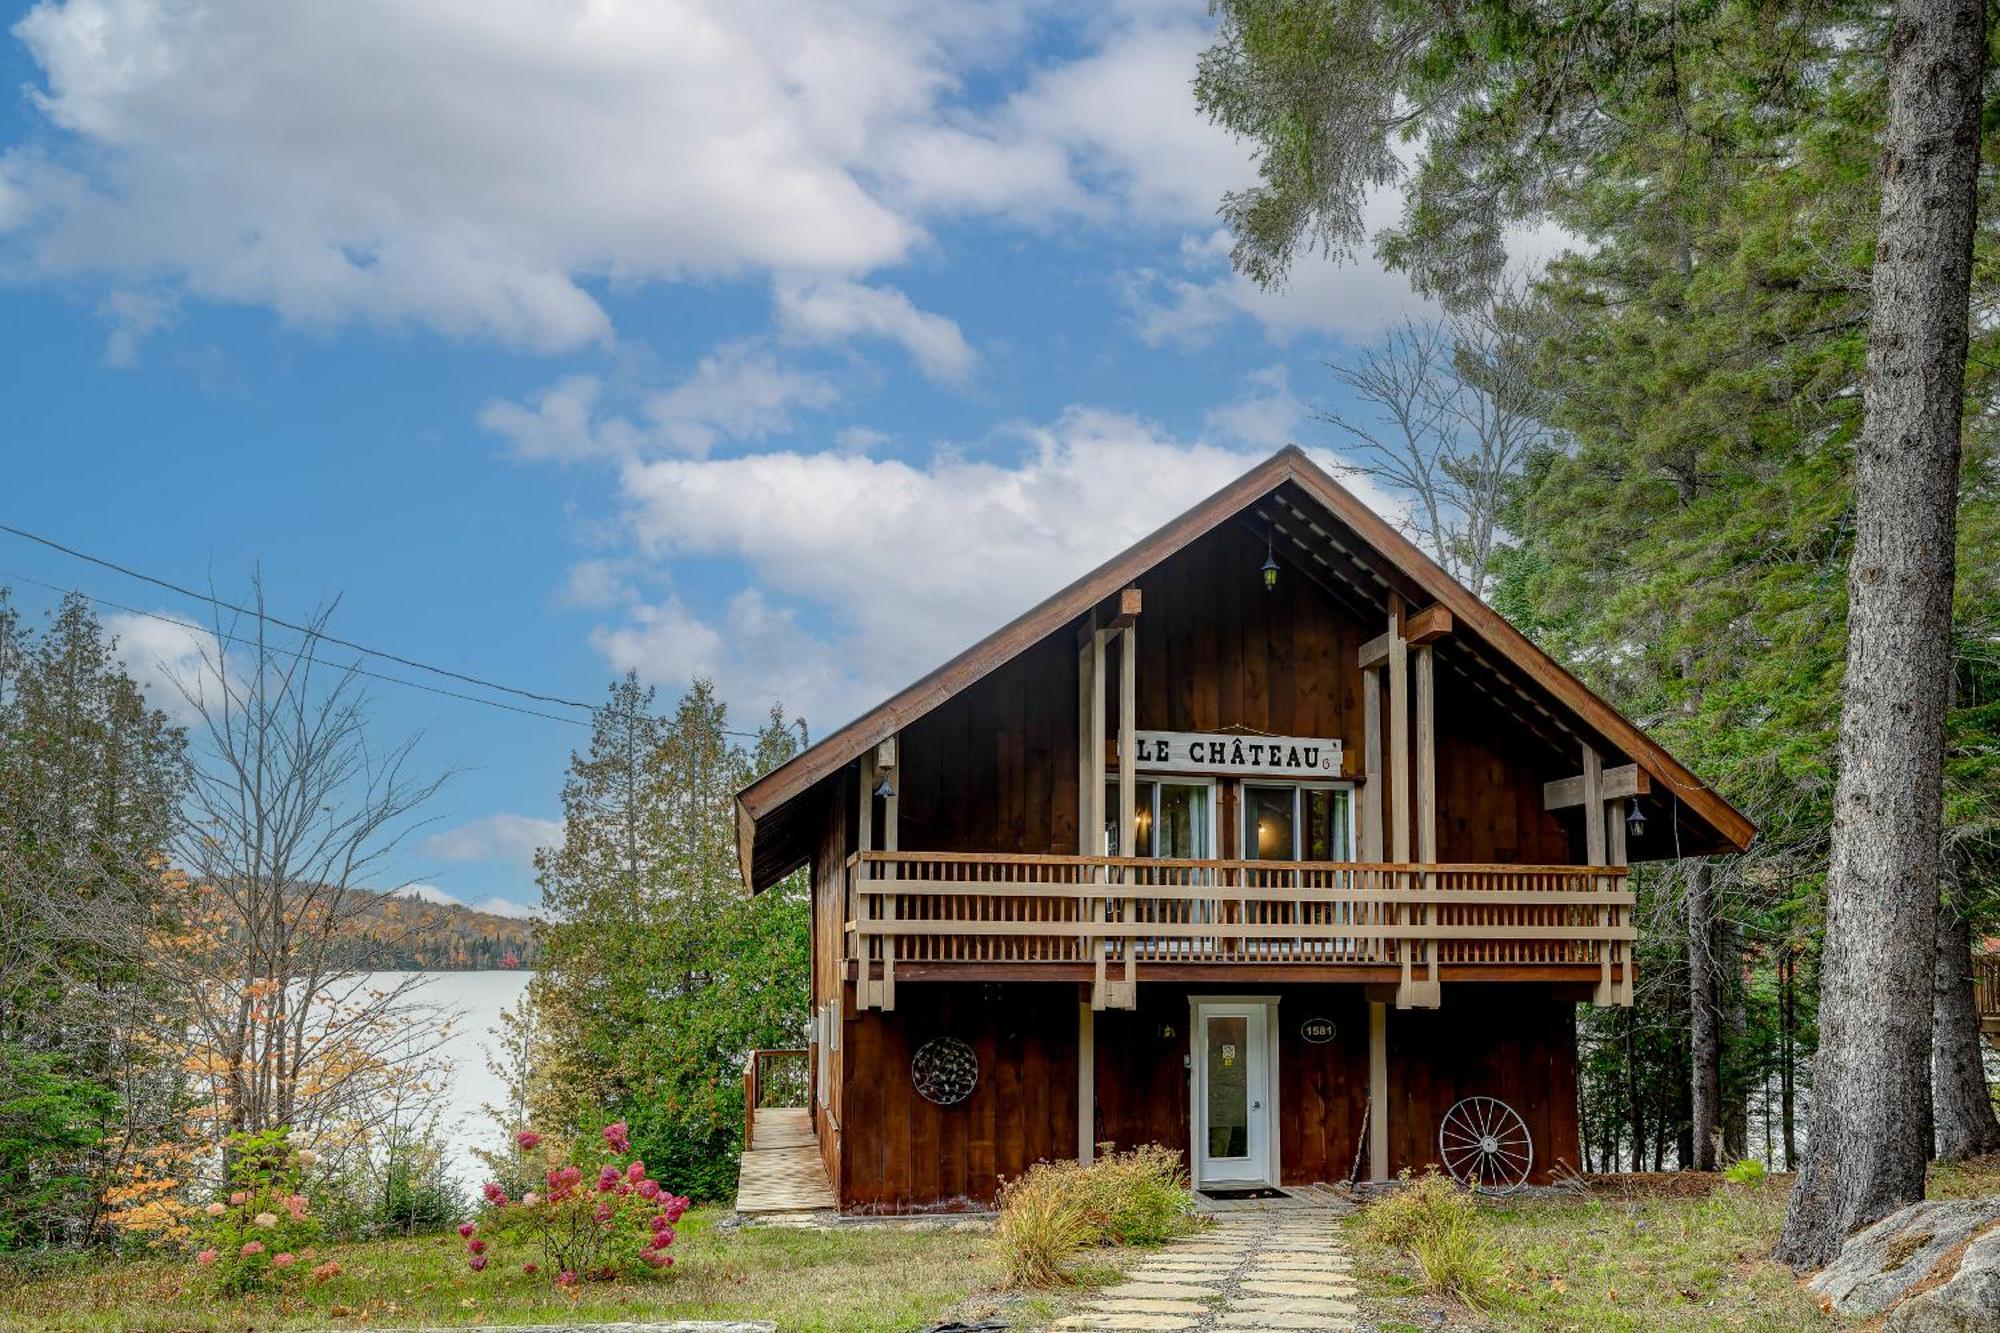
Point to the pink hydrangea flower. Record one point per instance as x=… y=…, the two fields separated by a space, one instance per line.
x=477 y=1263
x=284 y=1259
x=607 y=1178
x=494 y=1194
x=605 y=1212
x=530 y=1199
x=649 y=1189
x=636 y=1172
x=207 y=1257
x=529 y=1140
x=466 y=1228
x=530 y=1267
x=239 y=1198
x=216 y=1209
x=251 y=1247
x=266 y=1220
x=615 y=1136
x=476 y=1245
x=566 y=1278
x=296 y=1205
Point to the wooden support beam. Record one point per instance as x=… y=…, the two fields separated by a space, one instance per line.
x=1378 y=1091
x=1125 y=611
x=1086 y=1082
x=1371 y=758
x=1428 y=625
x=1127 y=992
x=1399 y=736
x=1427 y=994
x=885 y=753
x=1593 y=807
x=1615 y=784
x=1373 y=653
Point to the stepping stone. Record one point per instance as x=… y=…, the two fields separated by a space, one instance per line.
x=1307 y=1304
x=1123 y=1320
x=1281 y=1319
x=1183 y=1291
x=1143 y=1305
x=1275 y=1287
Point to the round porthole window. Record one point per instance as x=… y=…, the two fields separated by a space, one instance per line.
x=944 y=1071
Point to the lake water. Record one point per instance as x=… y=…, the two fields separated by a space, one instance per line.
x=478 y=998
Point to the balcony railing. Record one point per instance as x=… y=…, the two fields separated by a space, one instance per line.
x=1119 y=918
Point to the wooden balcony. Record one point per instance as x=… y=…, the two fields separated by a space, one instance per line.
x=1115 y=921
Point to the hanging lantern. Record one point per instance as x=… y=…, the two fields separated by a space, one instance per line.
x=884 y=790
x=1635 y=820
x=1270 y=567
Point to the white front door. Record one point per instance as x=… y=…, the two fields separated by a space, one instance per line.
x=1232 y=1095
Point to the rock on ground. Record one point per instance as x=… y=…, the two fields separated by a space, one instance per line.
x=1878 y=1266
x=1968 y=1303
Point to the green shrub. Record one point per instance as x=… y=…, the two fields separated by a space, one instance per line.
x=1435 y=1221
x=1749 y=1171
x=1060 y=1210
x=261 y=1235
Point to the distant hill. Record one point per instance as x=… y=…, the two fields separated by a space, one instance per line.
x=416 y=934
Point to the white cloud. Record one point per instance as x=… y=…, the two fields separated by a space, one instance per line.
x=866 y=572
x=739 y=391
x=482 y=167
x=507 y=907
x=168 y=660
x=1267 y=414
x=832 y=311
x=1189 y=306
x=504 y=837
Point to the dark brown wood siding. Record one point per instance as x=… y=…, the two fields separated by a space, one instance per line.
x=1516 y=1043
x=902 y=1152
x=993 y=769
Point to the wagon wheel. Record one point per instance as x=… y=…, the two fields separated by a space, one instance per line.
x=1486 y=1145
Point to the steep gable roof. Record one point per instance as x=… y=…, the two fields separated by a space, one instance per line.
x=1414 y=574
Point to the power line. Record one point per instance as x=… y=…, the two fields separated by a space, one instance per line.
x=293 y=653
x=312 y=634
x=263 y=615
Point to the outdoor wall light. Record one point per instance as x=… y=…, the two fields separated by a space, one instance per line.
x=1270 y=567
x=1635 y=820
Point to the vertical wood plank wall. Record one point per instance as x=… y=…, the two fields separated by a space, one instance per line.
x=994 y=768
x=1516 y=1043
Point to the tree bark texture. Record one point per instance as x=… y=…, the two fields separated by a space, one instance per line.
x=1961 y=1107
x=1705 y=1016
x=1872 y=1085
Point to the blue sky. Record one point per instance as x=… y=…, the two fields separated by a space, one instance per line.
x=792 y=345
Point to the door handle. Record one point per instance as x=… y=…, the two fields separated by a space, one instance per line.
x=1256 y=1106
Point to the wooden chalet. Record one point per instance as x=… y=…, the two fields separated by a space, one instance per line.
x=1266 y=840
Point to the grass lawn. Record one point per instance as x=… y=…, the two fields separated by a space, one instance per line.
x=859 y=1278
x=1637 y=1262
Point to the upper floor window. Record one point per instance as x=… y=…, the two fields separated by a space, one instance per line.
x=1171 y=819
x=1297 y=822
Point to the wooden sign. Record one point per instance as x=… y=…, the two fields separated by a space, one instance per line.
x=1318 y=1031
x=1246 y=756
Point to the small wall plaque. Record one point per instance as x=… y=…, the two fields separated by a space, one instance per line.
x=1318 y=1031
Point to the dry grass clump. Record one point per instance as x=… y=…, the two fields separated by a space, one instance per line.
x=1059 y=1211
x=1435 y=1221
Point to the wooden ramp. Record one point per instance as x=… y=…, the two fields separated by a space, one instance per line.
x=782 y=1172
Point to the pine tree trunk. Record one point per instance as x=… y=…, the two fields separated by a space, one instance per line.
x=1961 y=1107
x=1873 y=1074
x=1788 y=1058
x=1705 y=1016
x=1734 y=1002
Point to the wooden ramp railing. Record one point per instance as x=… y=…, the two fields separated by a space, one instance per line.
x=772 y=1080
x=1115 y=915
x=1986 y=989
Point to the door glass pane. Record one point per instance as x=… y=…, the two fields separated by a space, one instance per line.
x=1228 y=1086
x=1267 y=824
x=1183 y=820
x=1142 y=819
x=1326 y=826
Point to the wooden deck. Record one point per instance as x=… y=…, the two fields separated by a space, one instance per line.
x=783 y=1173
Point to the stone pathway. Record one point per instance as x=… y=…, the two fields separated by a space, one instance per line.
x=1286 y=1271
